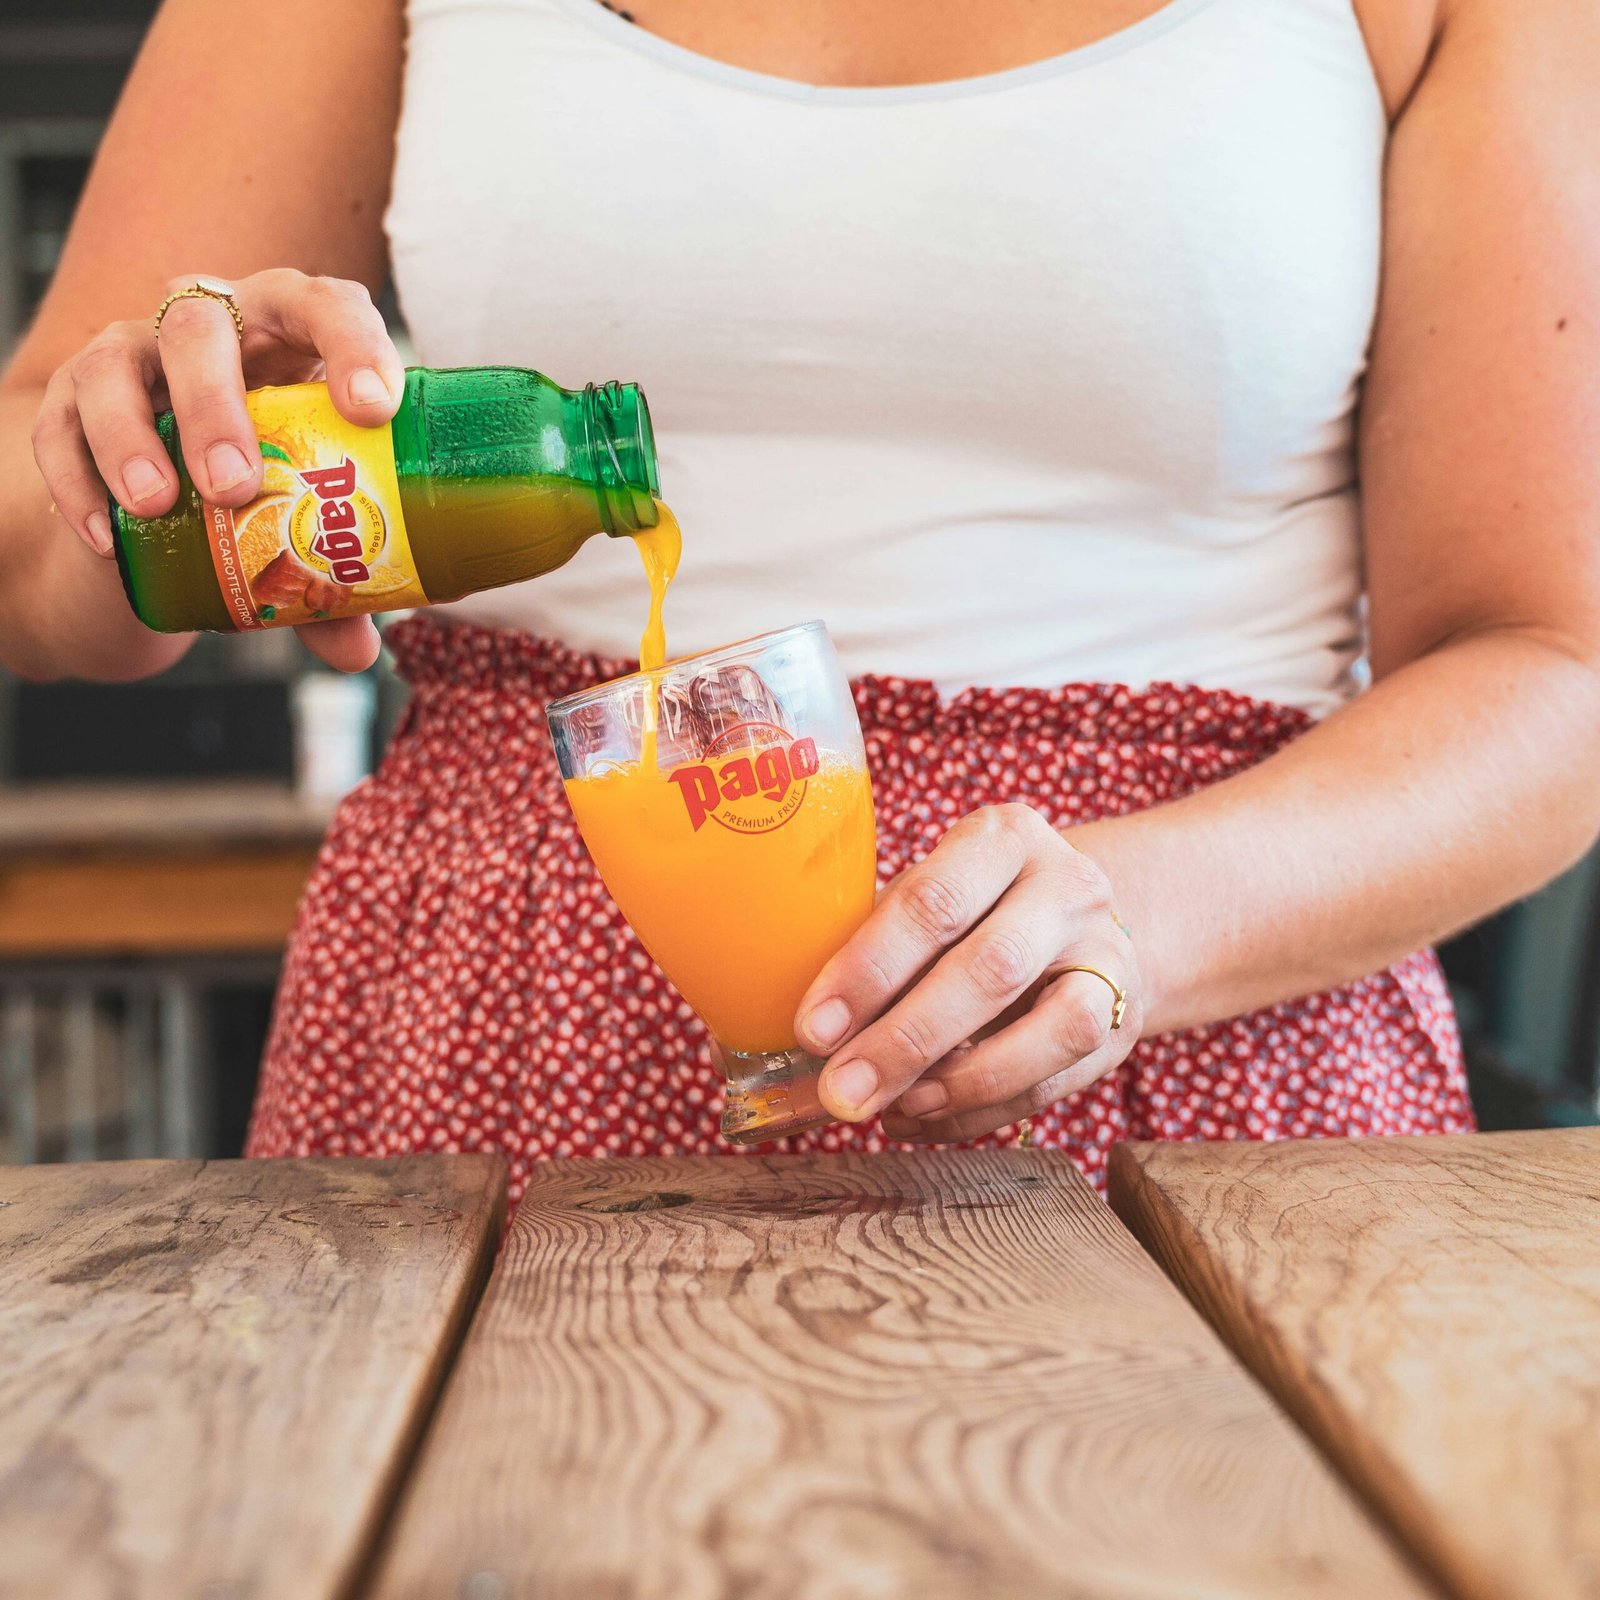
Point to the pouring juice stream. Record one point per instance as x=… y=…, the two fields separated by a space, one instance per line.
x=659 y=548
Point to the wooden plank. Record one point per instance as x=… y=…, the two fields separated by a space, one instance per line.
x=950 y=1374
x=212 y=1374
x=1430 y=1310
x=111 y=906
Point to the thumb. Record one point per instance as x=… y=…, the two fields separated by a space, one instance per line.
x=347 y=644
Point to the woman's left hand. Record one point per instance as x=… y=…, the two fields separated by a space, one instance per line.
x=950 y=1010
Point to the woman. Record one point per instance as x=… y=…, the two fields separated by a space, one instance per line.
x=1022 y=343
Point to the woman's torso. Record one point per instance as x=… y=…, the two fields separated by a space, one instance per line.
x=1038 y=377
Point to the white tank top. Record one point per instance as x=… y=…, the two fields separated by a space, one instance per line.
x=1039 y=377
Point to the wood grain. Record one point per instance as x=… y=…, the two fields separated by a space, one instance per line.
x=1430 y=1310
x=111 y=906
x=945 y=1375
x=211 y=1375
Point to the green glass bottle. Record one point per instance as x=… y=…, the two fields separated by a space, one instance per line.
x=485 y=476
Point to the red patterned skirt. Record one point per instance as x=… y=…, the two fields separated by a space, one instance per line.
x=458 y=978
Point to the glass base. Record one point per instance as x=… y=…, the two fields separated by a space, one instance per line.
x=771 y=1095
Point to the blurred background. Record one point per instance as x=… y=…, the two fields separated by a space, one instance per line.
x=154 y=837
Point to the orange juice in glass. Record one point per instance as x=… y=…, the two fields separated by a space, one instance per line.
x=725 y=800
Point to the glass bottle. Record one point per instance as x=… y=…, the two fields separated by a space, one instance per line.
x=485 y=476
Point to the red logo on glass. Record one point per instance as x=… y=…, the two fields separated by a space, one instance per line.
x=754 y=791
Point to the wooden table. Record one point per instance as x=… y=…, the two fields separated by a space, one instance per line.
x=933 y=1376
x=1429 y=1309
x=939 y=1376
x=212 y=1375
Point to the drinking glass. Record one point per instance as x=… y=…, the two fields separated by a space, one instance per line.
x=725 y=801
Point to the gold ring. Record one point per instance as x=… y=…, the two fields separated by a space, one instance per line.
x=205 y=289
x=1025 y=1133
x=1119 y=1004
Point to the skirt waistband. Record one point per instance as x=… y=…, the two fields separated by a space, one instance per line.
x=437 y=658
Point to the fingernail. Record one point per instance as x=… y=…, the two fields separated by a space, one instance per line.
x=226 y=465
x=852 y=1084
x=97 y=530
x=826 y=1024
x=923 y=1099
x=142 y=478
x=367 y=388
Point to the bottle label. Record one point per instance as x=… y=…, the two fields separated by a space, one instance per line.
x=325 y=537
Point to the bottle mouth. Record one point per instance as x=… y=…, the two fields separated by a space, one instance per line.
x=622 y=444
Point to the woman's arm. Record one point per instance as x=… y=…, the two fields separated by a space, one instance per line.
x=246 y=138
x=1470 y=773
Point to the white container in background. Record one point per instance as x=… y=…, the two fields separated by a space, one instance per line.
x=333 y=715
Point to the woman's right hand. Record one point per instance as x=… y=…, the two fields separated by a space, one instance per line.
x=96 y=427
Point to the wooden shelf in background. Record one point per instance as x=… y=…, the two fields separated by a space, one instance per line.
x=104 y=871
x=110 y=906
x=194 y=816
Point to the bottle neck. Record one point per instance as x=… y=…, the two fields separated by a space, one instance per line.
x=622 y=449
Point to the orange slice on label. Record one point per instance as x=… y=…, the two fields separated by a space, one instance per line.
x=278 y=477
x=260 y=535
x=386 y=580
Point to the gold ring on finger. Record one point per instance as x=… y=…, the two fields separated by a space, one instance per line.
x=1119 y=1002
x=205 y=289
